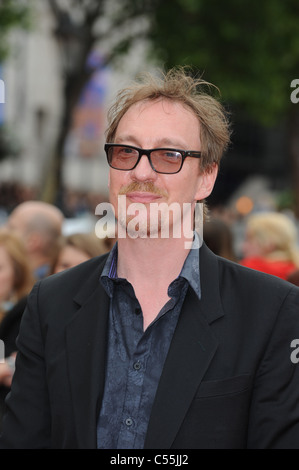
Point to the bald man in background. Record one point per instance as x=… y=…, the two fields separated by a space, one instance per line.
x=39 y=224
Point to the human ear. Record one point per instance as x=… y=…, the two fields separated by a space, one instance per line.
x=206 y=181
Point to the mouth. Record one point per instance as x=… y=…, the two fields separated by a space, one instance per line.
x=142 y=196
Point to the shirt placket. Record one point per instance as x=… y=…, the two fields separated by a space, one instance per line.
x=130 y=419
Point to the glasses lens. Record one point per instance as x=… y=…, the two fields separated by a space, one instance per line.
x=122 y=158
x=166 y=160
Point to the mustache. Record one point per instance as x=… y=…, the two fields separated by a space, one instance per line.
x=146 y=187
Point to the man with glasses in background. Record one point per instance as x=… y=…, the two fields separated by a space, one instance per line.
x=157 y=345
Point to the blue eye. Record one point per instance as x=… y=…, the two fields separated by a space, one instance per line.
x=170 y=155
x=125 y=152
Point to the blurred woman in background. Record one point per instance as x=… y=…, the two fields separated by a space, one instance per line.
x=77 y=248
x=218 y=236
x=16 y=281
x=16 y=278
x=271 y=244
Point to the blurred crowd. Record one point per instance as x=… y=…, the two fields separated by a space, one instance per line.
x=33 y=246
x=269 y=244
x=73 y=202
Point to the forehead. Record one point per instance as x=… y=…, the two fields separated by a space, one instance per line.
x=162 y=107
x=158 y=118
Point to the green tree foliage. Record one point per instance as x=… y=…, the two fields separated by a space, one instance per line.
x=250 y=48
x=13 y=13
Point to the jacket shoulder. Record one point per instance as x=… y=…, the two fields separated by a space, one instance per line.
x=253 y=287
x=72 y=279
x=56 y=298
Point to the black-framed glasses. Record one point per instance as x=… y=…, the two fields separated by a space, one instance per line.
x=162 y=160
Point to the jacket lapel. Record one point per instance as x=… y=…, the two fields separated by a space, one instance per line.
x=86 y=349
x=190 y=354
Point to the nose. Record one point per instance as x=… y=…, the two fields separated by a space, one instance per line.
x=143 y=171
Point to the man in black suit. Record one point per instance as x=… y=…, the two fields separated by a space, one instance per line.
x=156 y=344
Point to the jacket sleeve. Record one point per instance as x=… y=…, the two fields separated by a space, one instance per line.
x=26 y=423
x=274 y=414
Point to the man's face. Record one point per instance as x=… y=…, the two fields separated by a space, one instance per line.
x=17 y=223
x=156 y=124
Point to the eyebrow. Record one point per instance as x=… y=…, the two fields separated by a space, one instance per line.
x=165 y=142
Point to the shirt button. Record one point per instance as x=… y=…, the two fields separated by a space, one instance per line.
x=137 y=365
x=129 y=421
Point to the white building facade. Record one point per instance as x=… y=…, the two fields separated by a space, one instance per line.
x=33 y=107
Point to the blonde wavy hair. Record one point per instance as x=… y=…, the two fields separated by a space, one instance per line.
x=23 y=276
x=179 y=85
x=276 y=234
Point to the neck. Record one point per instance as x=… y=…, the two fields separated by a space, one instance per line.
x=150 y=265
x=156 y=260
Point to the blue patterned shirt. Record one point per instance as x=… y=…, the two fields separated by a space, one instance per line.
x=135 y=358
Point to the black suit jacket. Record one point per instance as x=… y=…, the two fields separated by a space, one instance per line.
x=9 y=330
x=228 y=380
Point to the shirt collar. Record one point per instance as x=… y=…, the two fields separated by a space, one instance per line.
x=190 y=269
x=110 y=267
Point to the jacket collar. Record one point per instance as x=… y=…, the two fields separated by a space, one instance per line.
x=211 y=304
